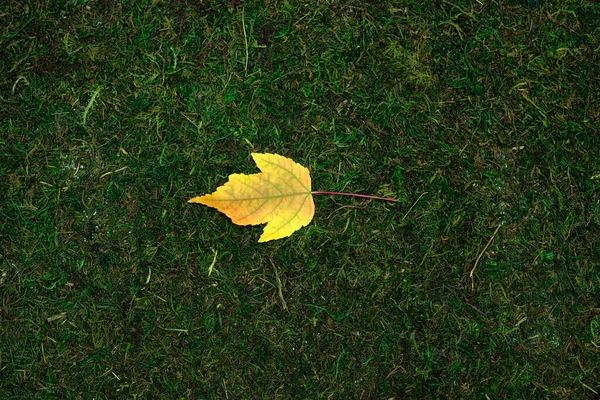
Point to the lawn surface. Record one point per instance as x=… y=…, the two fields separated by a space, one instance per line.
x=481 y=117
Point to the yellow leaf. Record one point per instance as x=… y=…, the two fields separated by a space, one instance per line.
x=280 y=196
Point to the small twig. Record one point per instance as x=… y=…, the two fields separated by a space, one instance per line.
x=214 y=261
x=414 y=204
x=279 y=292
x=481 y=254
x=175 y=330
x=245 y=43
x=113 y=172
x=392 y=372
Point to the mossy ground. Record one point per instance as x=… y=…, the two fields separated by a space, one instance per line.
x=475 y=115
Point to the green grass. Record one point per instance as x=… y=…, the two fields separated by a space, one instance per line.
x=473 y=114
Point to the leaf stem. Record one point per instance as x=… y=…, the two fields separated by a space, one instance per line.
x=365 y=196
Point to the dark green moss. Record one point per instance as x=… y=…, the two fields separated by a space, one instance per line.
x=474 y=115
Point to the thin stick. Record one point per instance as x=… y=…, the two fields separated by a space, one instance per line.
x=245 y=42
x=113 y=172
x=214 y=261
x=413 y=206
x=364 y=196
x=279 y=292
x=481 y=254
x=175 y=329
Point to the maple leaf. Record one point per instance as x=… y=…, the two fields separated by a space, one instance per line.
x=280 y=196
